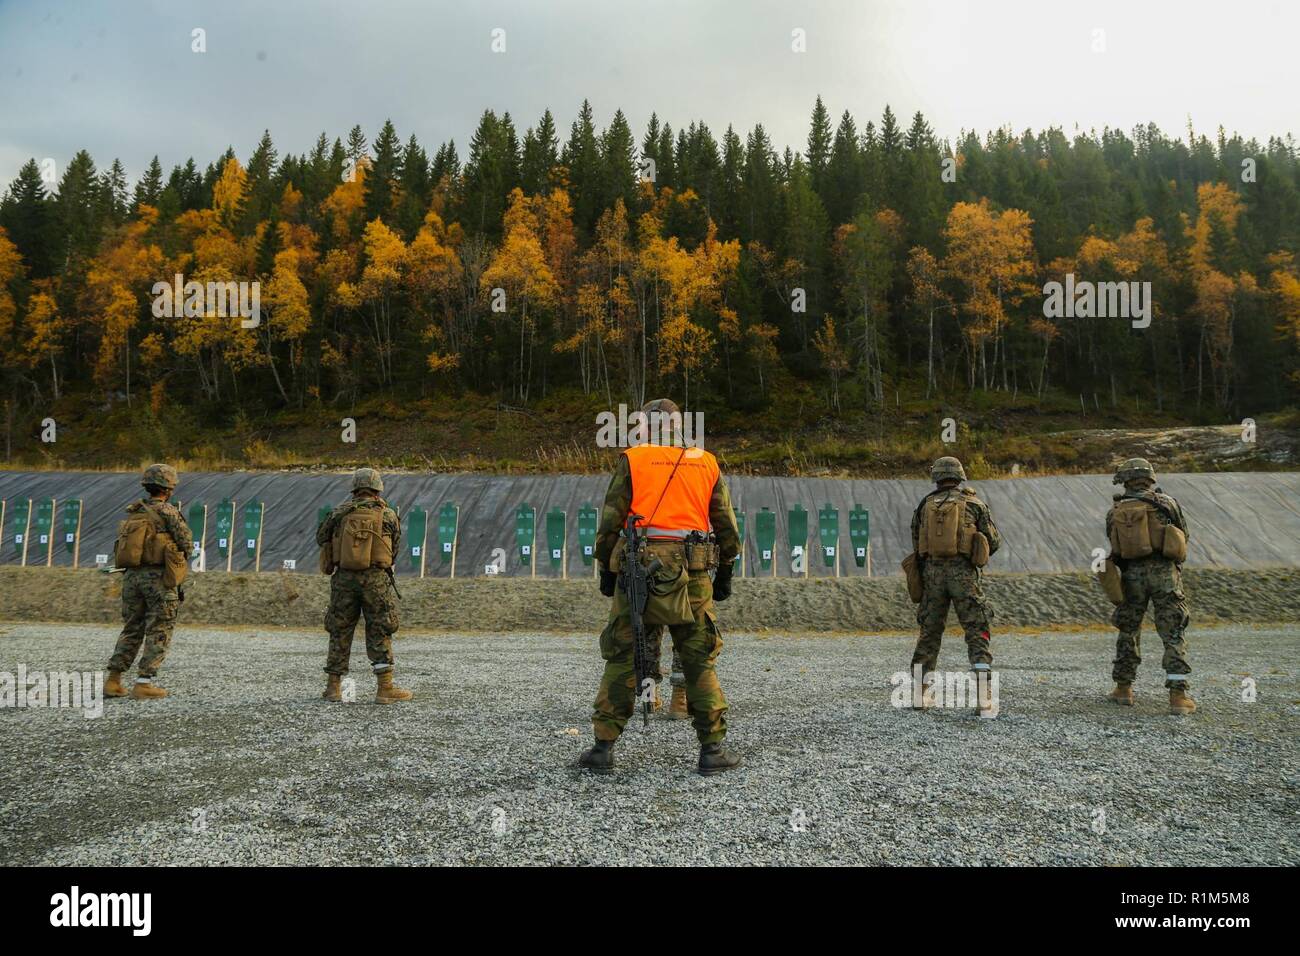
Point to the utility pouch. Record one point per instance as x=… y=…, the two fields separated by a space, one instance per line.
x=176 y=566
x=979 y=549
x=669 y=599
x=1174 y=547
x=1111 y=582
x=912 y=571
x=701 y=555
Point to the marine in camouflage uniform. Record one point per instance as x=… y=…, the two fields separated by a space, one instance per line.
x=355 y=593
x=148 y=608
x=677 y=676
x=697 y=644
x=1156 y=580
x=954 y=581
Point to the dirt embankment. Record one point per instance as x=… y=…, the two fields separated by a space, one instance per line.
x=1266 y=595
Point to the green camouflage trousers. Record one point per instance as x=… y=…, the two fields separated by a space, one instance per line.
x=697 y=644
x=1159 y=581
x=148 y=616
x=955 y=582
x=353 y=593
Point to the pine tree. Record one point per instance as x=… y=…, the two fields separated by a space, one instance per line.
x=77 y=211
x=540 y=155
x=819 y=145
x=618 y=164
x=149 y=189
x=357 y=144
x=381 y=178
x=415 y=188
x=262 y=194
x=26 y=214
x=582 y=157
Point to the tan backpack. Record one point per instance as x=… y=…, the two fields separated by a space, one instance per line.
x=948 y=531
x=359 y=541
x=1137 y=531
x=143 y=542
x=135 y=536
x=941 y=522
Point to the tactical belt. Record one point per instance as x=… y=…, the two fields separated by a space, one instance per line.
x=678 y=534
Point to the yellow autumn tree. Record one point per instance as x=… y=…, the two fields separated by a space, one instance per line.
x=834 y=357
x=285 y=315
x=929 y=297
x=684 y=348
x=991 y=255
x=520 y=271
x=113 y=309
x=229 y=193
x=1212 y=236
x=45 y=328
x=433 y=276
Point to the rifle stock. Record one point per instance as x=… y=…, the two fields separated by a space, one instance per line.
x=635 y=581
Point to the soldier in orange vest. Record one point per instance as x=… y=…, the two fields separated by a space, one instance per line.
x=689 y=525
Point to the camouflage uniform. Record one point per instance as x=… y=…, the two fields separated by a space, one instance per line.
x=697 y=644
x=1155 y=579
x=954 y=581
x=677 y=677
x=148 y=608
x=353 y=593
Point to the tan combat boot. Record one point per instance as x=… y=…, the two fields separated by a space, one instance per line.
x=1179 y=702
x=332 y=690
x=146 y=689
x=388 y=692
x=927 y=696
x=1122 y=695
x=113 y=685
x=984 y=700
x=678 y=710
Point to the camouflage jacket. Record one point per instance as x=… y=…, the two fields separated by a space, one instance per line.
x=173 y=522
x=977 y=510
x=1168 y=510
x=392 y=523
x=618 y=503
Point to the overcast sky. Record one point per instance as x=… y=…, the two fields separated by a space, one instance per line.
x=117 y=77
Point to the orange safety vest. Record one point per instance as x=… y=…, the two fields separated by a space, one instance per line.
x=685 y=504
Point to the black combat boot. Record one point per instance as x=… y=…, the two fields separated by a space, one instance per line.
x=598 y=758
x=715 y=758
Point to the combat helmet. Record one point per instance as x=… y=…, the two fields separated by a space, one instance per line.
x=663 y=421
x=367 y=478
x=947 y=467
x=1132 y=469
x=664 y=406
x=159 y=476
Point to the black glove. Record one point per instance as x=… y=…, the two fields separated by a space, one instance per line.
x=722 y=583
x=608 y=581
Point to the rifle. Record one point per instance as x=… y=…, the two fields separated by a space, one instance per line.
x=392 y=579
x=636 y=586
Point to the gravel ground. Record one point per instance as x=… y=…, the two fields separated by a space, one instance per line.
x=245 y=765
